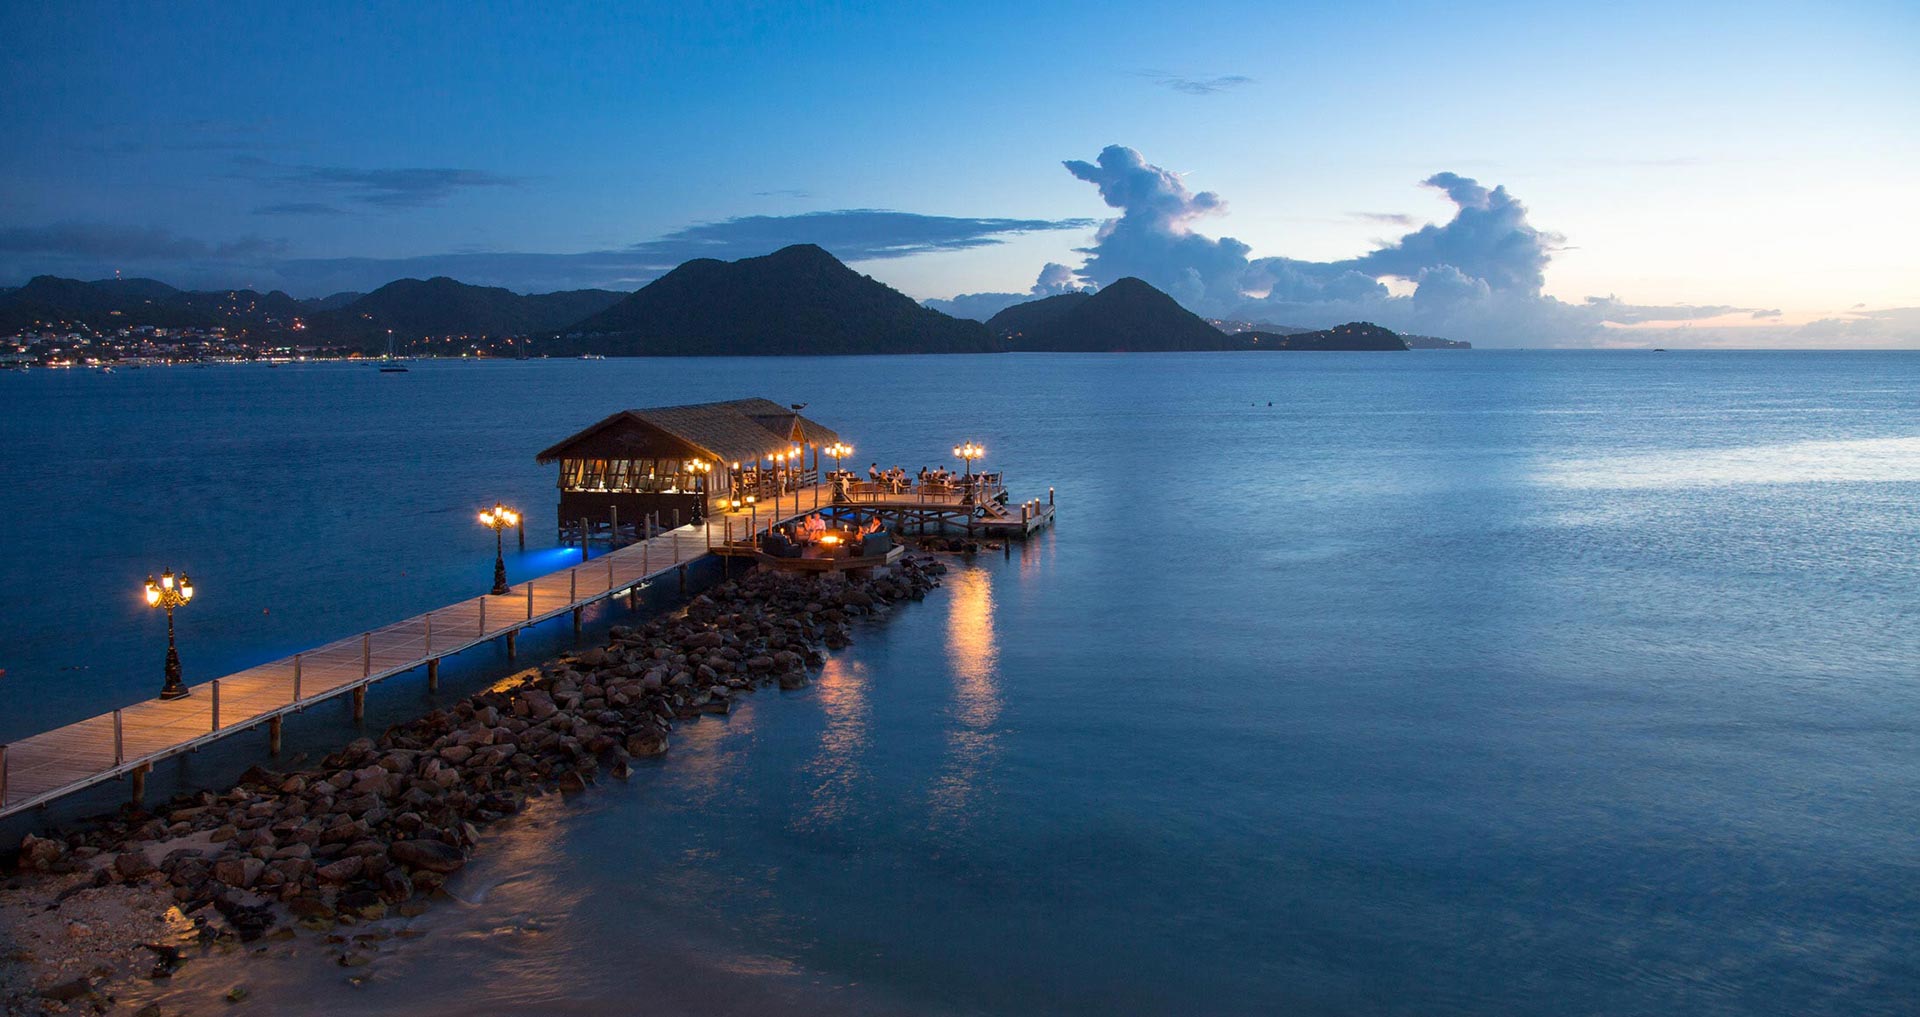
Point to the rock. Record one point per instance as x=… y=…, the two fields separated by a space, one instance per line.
x=67 y=992
x=791 y=680
x=241 y=872
x=341 y=871
x=648 y=741
x=41 y=853
x=431 y=855
x=133 y=865
x=539 y=704
x=238 y=994
x=572 y=783
x=363 y=905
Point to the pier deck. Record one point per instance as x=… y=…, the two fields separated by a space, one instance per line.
x=43 y=767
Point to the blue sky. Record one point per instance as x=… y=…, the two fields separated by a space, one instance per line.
x=1705 y=164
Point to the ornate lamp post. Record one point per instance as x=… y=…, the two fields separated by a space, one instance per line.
x=838 y=451
x=498 y=519
x=969 y=452
x=167 y=594
x=697 y=470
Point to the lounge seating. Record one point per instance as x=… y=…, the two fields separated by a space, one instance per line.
x=874 y=545
x=777 y=545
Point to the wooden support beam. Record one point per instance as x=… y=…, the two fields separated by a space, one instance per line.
x=576 y=620
x=433 y=675
x=273 y=734
x=139 y=775
x=510 y=635
x=359 y=704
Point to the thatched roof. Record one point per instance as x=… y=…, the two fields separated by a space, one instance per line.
x=736 y=430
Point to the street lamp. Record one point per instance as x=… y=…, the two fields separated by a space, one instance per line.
x=838 y=451
x=969 y=452
x=167 y=594
x=498 y=519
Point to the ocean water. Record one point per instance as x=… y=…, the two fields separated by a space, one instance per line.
x=1443 y=683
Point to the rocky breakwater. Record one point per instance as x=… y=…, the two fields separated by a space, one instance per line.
x=378 y=827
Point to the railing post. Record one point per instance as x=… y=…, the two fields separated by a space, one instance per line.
x=1049 y=495
x=483 y=616
x=609 y=575
x=216 y=704
x=3 y=776
x=573 y=586
x=366 y=654
x=296 y=677
x=119 y=740
x=427 y=651
x=583 y=538
x=529 y=600
x=646 y=550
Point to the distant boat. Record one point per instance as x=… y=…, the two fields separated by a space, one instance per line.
x=391 y=364
x=1657 y=349
x=593 y=356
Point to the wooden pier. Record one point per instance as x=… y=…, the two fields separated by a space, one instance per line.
x=128 y=742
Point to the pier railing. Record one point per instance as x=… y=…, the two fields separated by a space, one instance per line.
x=129 y=740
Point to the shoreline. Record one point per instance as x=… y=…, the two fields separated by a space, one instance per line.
x=373 y=831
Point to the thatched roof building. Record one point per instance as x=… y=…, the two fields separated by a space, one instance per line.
x=679 y=461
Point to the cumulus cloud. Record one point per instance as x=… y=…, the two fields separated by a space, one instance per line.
x=1477 y=276
x=1054 y=280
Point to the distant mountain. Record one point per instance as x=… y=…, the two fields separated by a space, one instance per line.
x=414 y=308
x=50 y=301
x=1429 y=342
x=1354 y=336
x=1125 y=316
x=1232 y=326
x=797 y=300
x=1034 y=315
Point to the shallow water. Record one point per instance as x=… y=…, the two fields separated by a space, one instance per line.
x=1449 y=683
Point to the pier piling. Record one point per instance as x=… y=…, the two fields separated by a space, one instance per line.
x=273 y=735
x=433 y=675
x=359 y=704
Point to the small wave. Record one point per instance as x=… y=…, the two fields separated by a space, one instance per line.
x=1864 y=460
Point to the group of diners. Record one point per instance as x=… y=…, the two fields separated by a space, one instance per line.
x=895 y=478
x=791 y=540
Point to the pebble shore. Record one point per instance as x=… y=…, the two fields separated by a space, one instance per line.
x=376 y=829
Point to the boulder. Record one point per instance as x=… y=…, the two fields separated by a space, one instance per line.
x=133 y=865
x=648 y=741
x=242 y=871
x=431 y=855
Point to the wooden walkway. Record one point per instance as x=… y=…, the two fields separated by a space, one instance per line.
x=43 y=767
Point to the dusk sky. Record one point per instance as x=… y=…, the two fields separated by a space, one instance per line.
x=1515 y=174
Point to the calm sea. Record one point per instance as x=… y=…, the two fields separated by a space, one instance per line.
x=1476 y=683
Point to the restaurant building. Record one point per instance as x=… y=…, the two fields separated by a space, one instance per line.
x=678 y=463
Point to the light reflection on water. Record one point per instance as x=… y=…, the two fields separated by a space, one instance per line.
x=838 y=767
x=973 y=659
